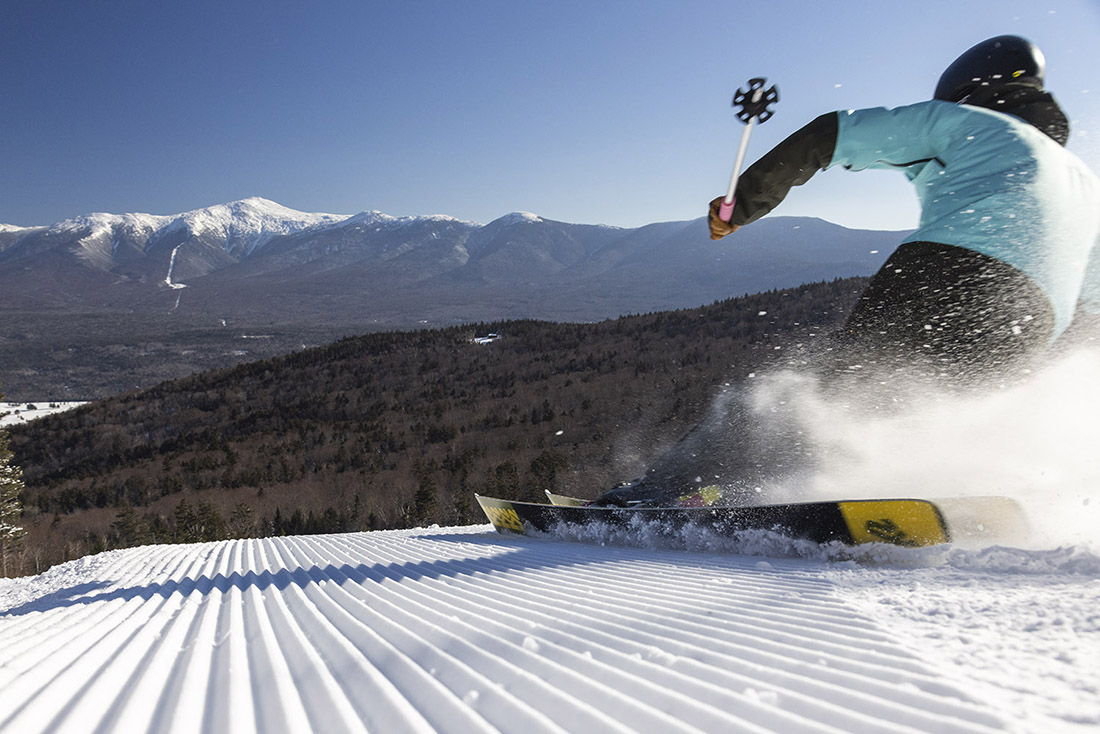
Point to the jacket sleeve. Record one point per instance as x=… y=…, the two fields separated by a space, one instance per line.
x=793 y=162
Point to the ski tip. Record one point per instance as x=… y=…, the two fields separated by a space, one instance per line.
x=501 y=514
x=984 y=518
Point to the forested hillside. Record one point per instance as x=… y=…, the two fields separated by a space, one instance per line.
x=395 y=429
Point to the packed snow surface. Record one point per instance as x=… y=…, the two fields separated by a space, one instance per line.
x=17 y=413
x=465 y=630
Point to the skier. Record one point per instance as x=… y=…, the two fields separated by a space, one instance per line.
x=986 y=283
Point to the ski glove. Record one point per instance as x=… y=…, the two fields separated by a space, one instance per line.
x=718 y=227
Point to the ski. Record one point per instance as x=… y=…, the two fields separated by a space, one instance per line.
x=565 y=500
x=702 y=497
x=905 y=522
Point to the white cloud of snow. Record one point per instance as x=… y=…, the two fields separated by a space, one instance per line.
x=1035 y=442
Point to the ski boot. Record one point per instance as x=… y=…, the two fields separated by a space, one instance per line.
x=634 y=493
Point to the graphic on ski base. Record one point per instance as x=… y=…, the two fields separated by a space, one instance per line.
x=905 y=522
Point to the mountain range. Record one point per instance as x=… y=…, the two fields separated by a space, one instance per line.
x=102 y=303
x=256 y=256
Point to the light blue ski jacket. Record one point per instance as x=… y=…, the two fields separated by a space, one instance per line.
x=991 y=183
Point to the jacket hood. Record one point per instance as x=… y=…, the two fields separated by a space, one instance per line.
x=1027 y=101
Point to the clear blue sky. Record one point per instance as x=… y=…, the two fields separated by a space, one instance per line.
x=610 y=112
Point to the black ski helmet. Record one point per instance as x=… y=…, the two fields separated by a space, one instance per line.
x=990 y=63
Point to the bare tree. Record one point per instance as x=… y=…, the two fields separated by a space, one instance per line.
x=11 y=508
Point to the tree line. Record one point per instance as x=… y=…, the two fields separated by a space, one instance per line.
x=395 y=429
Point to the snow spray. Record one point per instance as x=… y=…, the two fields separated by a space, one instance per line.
x=1035 y=442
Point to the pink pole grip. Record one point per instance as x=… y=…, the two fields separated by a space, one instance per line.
x=725 y=211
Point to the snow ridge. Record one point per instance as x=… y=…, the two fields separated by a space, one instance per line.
x=462 y=629
x=240 y=227
x=249 y=224
x=244 y=226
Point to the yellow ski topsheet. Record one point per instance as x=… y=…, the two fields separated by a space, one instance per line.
x=501 y=514
x=901 y=522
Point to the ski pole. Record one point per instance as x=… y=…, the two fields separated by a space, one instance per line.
x=753 y=103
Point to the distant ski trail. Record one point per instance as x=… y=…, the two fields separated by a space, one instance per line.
x=171 y=268
x=457 y=631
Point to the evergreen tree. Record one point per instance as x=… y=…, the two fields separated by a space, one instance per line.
x=463 y=509
x=424 y=504
x=187 y=523
x=129 y=528
x=544 y=472
x=211 y=526
x=11 y=508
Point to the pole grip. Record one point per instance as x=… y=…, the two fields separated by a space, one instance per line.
x=725 y=211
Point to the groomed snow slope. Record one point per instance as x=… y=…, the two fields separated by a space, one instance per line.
x=464 y=630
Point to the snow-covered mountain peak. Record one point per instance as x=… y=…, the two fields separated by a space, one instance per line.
x=105 y=222
x=250 y=223
x=96 y=237
x=12 y=228
x=520 y=217
x=379 y=220
x=372 y=218
x=258 y=213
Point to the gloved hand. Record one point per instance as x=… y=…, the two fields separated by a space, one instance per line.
x=718 y=227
